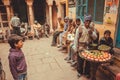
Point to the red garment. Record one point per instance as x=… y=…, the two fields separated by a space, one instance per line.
x=116 y=2
x=118 y=76
x=109 y=3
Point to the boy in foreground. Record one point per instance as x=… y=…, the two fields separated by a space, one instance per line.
x=17 y=62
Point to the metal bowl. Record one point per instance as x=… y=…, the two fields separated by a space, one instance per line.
x=104 y=48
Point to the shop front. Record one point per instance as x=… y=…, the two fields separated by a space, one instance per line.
x=93 y=7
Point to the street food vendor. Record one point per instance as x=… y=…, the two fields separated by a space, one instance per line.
x=85 y=35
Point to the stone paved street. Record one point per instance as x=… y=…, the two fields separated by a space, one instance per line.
x=38 y=17
x=44 y=62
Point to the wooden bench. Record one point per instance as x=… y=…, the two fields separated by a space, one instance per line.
x=113 y=68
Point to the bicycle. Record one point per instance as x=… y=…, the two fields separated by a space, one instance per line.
x=2 y=72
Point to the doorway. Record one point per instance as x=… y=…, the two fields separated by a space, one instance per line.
x=93 y=7
x=96 y=9
x=3 y=15
x=39 y=7
x=47 y=14
x=20 y=7
x=81 y=8
x=63 y=10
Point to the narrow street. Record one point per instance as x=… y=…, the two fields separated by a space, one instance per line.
x=44 y=62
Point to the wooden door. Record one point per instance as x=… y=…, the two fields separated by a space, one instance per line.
x=81 y=8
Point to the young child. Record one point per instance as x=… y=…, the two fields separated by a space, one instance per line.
x=17 y=62
x=107 y=40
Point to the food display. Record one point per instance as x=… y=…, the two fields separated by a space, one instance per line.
x=104 y=48
x=93 y=44
x=95 y=55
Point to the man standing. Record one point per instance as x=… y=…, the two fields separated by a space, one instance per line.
x=15 y=23
x=85 y=35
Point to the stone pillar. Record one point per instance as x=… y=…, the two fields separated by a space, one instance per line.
x=30 y=11
x=7 y=4
x=67 y=8
x=8 y=12
x=31 y=19
x=1 y=21
x=9 y=17
x=50 y=14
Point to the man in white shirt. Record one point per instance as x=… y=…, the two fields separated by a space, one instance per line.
x=85 y=35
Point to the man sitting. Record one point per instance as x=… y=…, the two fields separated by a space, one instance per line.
x=107 y=40
x=37 y=28
x=58 y=31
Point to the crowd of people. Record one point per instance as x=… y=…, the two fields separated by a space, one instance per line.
x=73 y=37
x=36 y=30
x=19 y=31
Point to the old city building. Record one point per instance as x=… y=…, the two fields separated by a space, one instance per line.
x=47 y=11
x=44 y=11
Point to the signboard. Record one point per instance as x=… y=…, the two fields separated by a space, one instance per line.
x=111 y=6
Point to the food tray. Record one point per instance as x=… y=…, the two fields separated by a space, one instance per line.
x=95 y=56
x=104 y=48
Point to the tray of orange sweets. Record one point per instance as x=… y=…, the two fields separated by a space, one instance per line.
x=95 y=55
